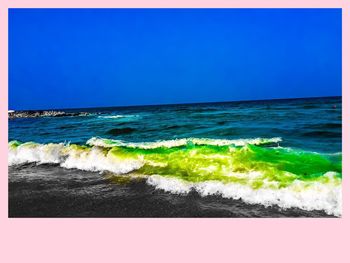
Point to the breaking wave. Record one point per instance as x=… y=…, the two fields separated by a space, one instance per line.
x=95 y=141
x=246 y=169
x=118 y=116
x=316 y=196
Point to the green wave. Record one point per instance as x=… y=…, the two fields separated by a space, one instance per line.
x=254 y=165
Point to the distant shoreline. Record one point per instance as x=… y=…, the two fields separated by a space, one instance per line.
x=36 y=114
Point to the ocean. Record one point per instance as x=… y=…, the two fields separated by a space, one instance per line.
x=272 y=158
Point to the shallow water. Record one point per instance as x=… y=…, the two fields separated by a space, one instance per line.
x=241 y=159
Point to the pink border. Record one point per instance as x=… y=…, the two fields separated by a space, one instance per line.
x=174 y=240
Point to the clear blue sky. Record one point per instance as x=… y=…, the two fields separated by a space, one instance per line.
x=71 y=58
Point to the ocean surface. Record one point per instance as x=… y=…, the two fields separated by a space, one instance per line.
x=275 y=158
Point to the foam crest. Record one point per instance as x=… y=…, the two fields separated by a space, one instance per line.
x=95 y=159
x=33 y=152
x=118 y=116
x=306 y=196
x=72 y=156
x=95 y=141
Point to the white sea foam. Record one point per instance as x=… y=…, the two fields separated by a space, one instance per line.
x=95 y=141
x=312 y=196
x=94 y=159
x=118 y=116
x=33 y=152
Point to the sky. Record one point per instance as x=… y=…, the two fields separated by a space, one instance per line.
x=76 y=58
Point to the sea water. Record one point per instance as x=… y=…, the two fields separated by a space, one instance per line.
x=244 y=159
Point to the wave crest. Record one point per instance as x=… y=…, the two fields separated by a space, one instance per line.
x=73 y=156
x=95 y=141
x=117 y=116
x=317 y=196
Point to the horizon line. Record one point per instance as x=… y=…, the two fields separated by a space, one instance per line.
x=173 y=104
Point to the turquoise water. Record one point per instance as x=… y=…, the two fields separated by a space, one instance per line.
x=310 y=124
